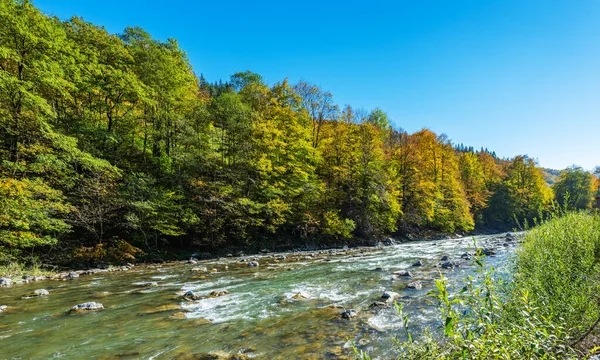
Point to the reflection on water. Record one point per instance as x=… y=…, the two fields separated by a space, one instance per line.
x=259 y=317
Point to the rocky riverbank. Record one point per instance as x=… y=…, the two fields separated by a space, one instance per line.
x=278 y=303
x=306 y=253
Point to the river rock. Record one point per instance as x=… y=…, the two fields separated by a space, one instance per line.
x=215 y=294
x=301 y=296
x=389 y=242
x=379 y=268
x=377 y=304
x=449 y=265
x=88 y=306
x=403 y=273
x=28 y=278
x=445 y=258
x=5 y=281
x=466 y=256
x=191 y=296
x=192 y=261
x=349 y=314
x=253 y=264
x=200 y=269
x=418 y=263
x=39 y=292
x=487 y=251
x=3 y=307
x=414 y=285
x=390 y=296
x=180 y=315
x=72 y=275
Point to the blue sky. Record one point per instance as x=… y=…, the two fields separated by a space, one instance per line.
x=515 y=76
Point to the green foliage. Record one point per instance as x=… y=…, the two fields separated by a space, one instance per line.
x=30 y=214
x=116 y=251
x=336 y=227
x=575 y=189
x=123 y=140
x=559 y=264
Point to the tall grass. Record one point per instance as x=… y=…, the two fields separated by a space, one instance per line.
x=559 y=265
x=16 y=269
x=547 y=305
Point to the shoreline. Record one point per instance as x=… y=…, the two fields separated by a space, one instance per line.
x=70 y=273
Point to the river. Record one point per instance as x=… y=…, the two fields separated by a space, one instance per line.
x=258 y=317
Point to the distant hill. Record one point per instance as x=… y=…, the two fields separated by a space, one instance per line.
x=551 y=175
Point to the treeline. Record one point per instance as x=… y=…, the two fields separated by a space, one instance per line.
x=110 y=140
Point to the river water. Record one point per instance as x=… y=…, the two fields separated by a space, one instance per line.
x=258 y=317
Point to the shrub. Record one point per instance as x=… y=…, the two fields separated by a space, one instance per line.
x=545 y=305
x=559 y=265
x=116 y=251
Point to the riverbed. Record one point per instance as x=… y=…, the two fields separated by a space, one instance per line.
x=287 y=307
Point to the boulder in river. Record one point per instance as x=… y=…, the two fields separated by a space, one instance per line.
x=418 y=263
x=445 y=258
x=192 y=261
x=389 y=296
x=415 y=285
x=72 y=275
x=449 y=265
x=349 y=314
x=466 y=256
x=377 y=304
x=88 y=306
x=215 y=294
x=301 y=296
x=191 y=296
x=39 y=292
x=200 y=269
x=253 y=264
x=3 y=307
x=180 y=315
x=5 y=281
x=404 y=273
x=389 y=242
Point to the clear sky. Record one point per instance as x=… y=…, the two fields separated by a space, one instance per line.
x=515 y=76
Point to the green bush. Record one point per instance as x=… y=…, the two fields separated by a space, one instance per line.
x=558 y=264
x=548 y=302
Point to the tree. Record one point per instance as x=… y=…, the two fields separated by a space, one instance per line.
x=30 y=215
x=319 y=105
x=575 y=188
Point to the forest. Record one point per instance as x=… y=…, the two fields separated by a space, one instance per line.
x=112 y=145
